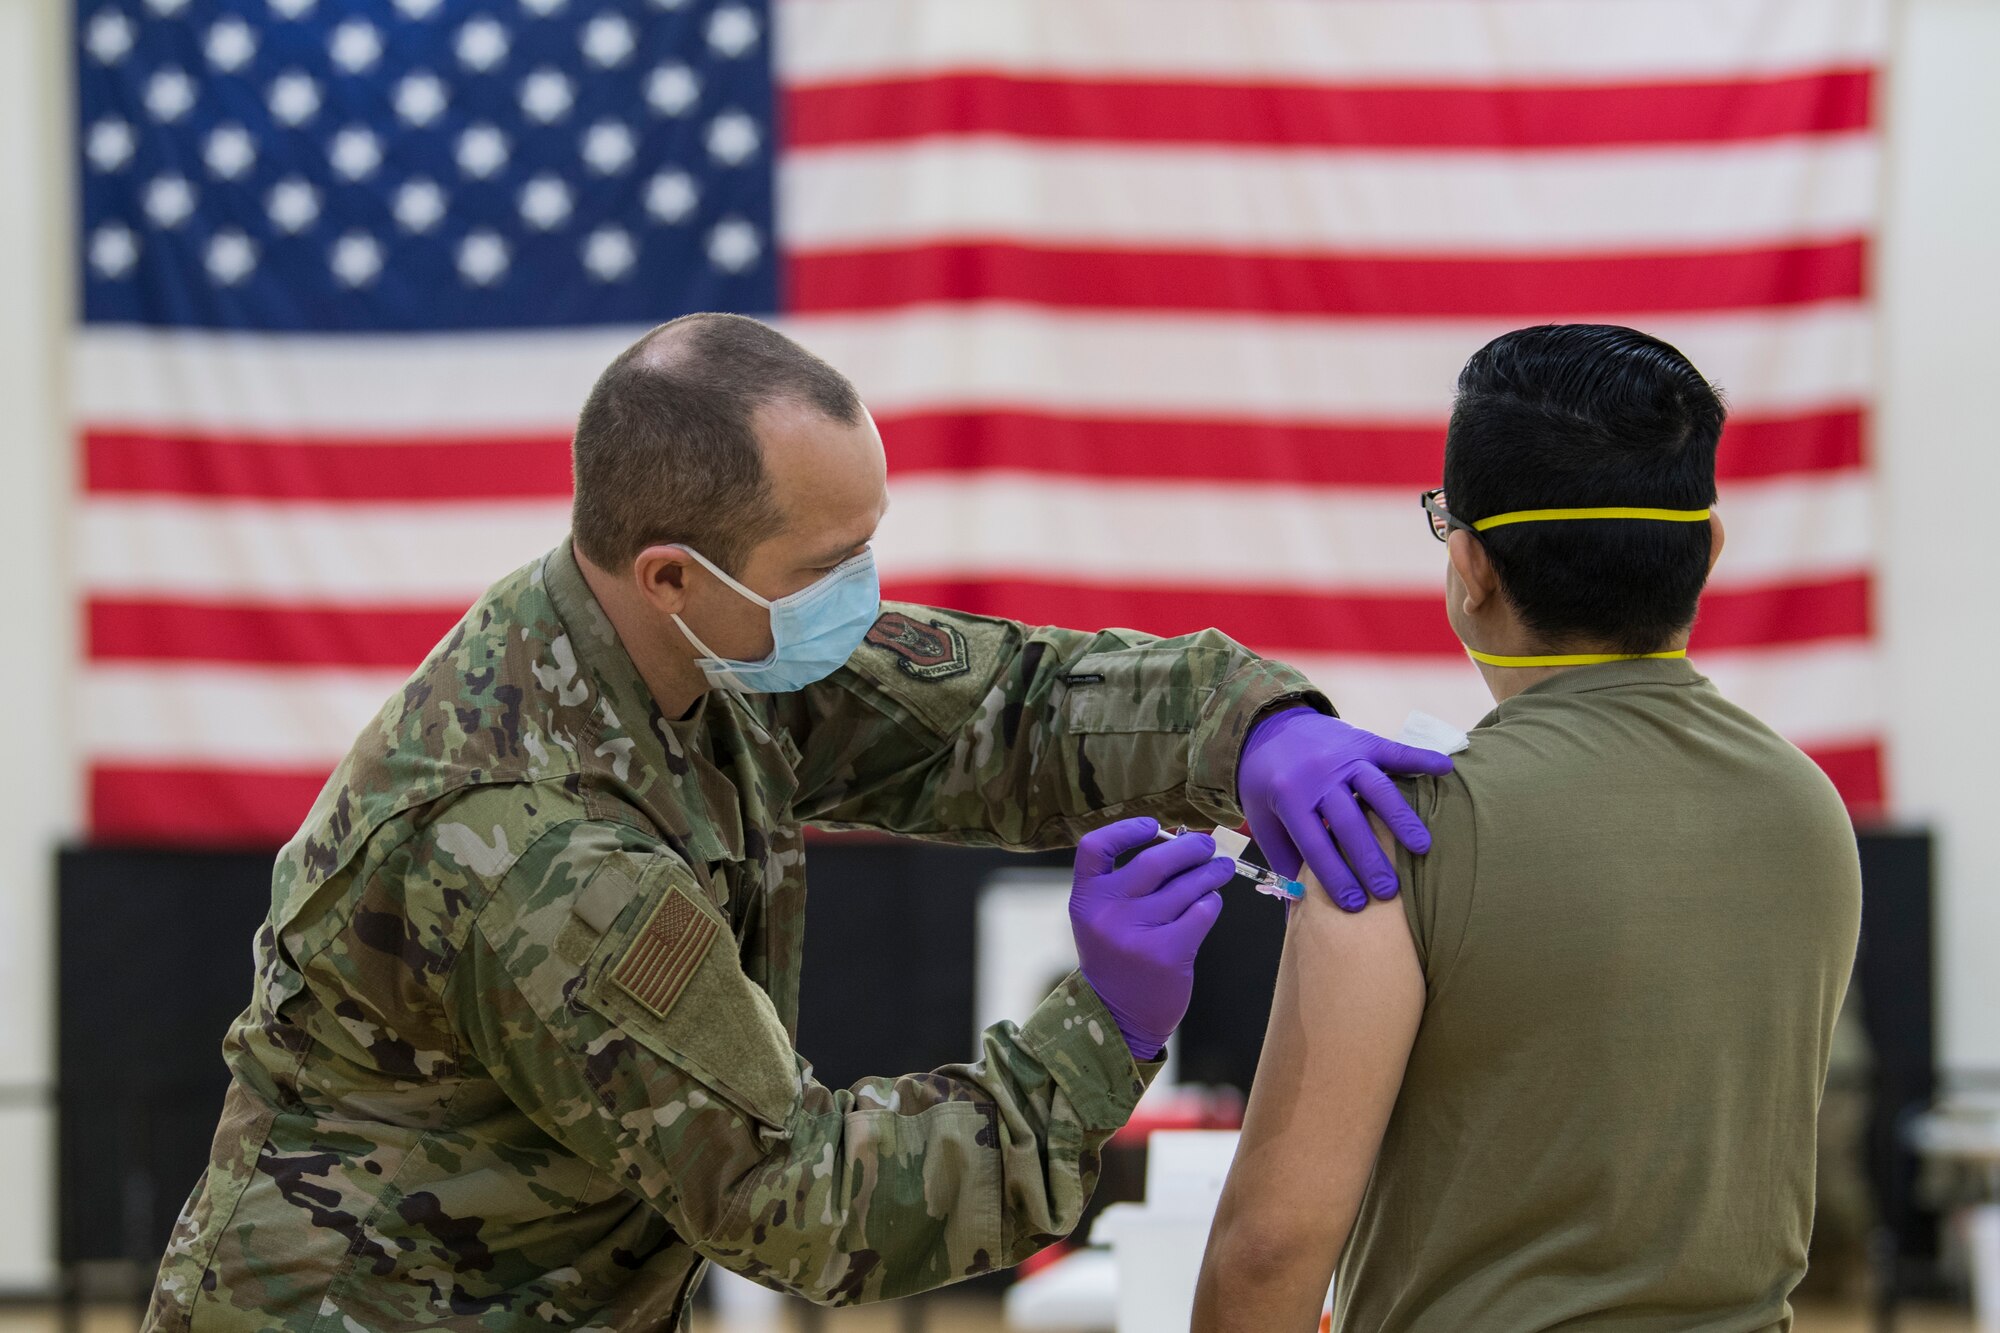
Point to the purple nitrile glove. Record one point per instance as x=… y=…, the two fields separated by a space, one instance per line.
x=1304 y=773
x=1138 y=926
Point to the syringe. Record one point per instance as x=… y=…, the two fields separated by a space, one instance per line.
x=1230 y=846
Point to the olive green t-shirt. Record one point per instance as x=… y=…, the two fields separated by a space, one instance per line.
x=1636 y=926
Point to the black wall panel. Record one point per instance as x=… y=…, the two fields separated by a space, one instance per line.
x=153 y=961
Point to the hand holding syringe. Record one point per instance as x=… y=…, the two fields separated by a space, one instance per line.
x=1230 y=846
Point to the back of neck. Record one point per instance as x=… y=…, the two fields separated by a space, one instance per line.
x=671 y=678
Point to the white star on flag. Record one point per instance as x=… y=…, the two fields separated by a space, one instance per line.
x=608 y=147
x=672 y=89
x=482 y=151
x=230 y=151
x=114 y=249
x=482 y=258
x=545 y=202
x=356 y=152
x=292 y=205
x=108 y=37
x=733 y=138
x=420 y=98
x=671 y=196
x=733 y=245
x=109 y=144
x=608 y=41
x=732 y=30
x=609 y=253
x=546 y=96
x=420 y=205
x=481 y=44
x=356 y=46
x=168 y=200
x=169 y=95
x=231 y=256
x=230 y=45
x=356 y=259
x=293 y=98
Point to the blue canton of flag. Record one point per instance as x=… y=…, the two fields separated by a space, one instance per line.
x=335 y=165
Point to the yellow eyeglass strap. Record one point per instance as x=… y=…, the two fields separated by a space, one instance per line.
x=1614 y=511
x=1566 y=659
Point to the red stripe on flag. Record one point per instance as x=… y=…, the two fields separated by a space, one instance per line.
x=1315 y=284
x=199 y=807
x=290 y=635
x=1858 y=774
x=1271 y=620
x=132 y=462
x=1307 y=115
x=135 y=460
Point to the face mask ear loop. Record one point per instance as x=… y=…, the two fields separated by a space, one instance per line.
x=738 y=687
x=736 y=695
x=709 y=653
x=724 y=575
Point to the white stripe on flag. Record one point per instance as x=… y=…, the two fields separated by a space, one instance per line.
x=377 y=555
x=939 y=526
x=508 y=384
x=1485 y=203
x=1351 y=41
x=1002 y=356
x=988 y=355
x=248 y=716
x=257 y=717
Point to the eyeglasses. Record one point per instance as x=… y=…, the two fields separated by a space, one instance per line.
x=1441 y=519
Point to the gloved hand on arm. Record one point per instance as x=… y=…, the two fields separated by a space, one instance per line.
x=1139 y=926
x=1302 y=780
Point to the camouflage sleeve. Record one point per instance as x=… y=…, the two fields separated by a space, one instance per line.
x=603 y=991
x=968 y=729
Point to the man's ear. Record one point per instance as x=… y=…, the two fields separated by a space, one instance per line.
x=1474 y=568
x=661 y=575
x=1715 y=535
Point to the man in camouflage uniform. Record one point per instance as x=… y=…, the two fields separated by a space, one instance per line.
x=521 y=1047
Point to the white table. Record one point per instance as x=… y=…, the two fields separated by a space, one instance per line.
x=1968 y=1131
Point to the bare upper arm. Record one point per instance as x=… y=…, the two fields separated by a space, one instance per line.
x=1350 y=995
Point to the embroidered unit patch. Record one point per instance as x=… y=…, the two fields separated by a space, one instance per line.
x=930 y=651
x=659 y=963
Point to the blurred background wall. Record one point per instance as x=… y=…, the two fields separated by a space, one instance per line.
x=38 y=791
x=1936 y=445
x=1939 y=276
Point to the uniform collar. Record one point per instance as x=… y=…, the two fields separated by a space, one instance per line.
x=1613 y=675
x=661 y=766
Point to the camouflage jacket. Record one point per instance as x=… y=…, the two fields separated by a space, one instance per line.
x=521 y=1047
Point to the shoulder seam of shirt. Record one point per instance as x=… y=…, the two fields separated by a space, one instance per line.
x=1471 y=855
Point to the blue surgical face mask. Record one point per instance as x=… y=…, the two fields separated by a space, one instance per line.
x=813 y=631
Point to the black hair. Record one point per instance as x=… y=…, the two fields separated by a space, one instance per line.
x=665 y=449
x=1586 y=415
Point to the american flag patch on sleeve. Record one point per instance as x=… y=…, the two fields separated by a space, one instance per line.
x=657 y=966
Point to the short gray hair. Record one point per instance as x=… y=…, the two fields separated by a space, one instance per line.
x=665 y=451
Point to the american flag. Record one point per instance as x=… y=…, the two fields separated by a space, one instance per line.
x=1159 y=305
